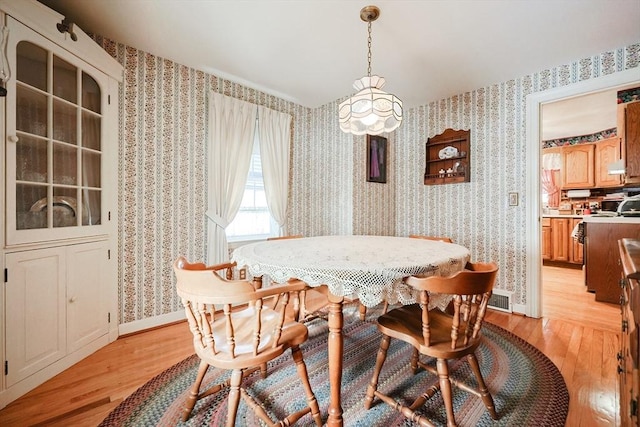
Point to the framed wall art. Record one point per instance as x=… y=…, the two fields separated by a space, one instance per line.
x=376 y=159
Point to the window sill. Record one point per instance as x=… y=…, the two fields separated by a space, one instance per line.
x=233 y=244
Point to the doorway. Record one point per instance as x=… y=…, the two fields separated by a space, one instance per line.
x=561 y=122
x=534 y=152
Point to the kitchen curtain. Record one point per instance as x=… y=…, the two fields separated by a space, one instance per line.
x=550 y=186
x=274 y=130
x=232 y=126
x=550 y=177
x=231 y=131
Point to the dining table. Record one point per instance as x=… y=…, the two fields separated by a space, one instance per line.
x=370 y=268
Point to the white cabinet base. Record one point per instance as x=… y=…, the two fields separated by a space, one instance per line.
x=10 y=394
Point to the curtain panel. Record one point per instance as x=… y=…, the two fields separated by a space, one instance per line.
x=274 y=130
x=231 y=133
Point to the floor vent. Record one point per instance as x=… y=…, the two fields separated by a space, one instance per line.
x=501 y=300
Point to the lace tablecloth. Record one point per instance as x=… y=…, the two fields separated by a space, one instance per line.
x=369 y=267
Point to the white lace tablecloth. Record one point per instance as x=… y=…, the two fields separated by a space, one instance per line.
x=369 y=267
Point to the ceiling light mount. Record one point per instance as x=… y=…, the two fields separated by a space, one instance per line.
x=371 y=110
x=369 y=13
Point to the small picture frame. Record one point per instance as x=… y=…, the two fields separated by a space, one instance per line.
x=376 y=159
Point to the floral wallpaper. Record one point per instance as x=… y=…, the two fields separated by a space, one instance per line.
x=477 y=214
x=162 y=176
x=581 y=139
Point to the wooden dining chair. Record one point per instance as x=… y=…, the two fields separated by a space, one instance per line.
x=439 y=335
x=241 y=336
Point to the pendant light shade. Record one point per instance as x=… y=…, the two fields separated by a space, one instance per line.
x=371 y=110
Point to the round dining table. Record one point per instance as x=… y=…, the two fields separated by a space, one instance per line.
x=370 y=268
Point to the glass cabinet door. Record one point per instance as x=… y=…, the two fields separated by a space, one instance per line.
x=56 y=147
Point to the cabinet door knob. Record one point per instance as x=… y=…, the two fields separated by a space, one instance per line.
x=13 y=138
x=72 y=299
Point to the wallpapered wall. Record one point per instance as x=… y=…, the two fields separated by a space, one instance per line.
x=162 y=176
x=477 y=214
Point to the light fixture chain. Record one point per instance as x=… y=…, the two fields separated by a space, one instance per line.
x=369 y=48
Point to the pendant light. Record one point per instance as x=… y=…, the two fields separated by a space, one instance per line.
x=371 y=110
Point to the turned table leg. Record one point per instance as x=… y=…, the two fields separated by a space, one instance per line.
x=335 y=350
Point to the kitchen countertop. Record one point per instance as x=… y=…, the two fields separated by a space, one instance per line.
x=612 y=219
x=600 y=219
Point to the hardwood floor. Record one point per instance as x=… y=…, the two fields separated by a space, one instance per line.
x=577 y=333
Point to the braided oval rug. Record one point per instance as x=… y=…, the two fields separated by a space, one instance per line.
x=527 y=388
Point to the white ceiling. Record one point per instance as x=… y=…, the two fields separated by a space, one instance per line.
x=581 y=115
x=311 y=51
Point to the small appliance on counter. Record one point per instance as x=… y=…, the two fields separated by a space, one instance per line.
x=610 y=205
x=630 y=206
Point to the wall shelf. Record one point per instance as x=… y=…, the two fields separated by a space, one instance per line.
x=448 y=158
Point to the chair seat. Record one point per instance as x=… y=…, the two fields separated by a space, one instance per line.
x=405 y=323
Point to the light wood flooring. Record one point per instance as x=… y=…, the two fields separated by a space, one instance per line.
x=577 y=333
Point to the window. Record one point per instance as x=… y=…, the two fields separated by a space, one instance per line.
x=253 y=220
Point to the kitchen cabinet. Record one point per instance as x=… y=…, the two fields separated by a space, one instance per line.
x=629 y=130
x=607 y=151
x=629 y=354
x=560 y=239
x=577 y=248
x=586 y=165
x=59 y=191
x=578 y=166
x=547 y=253
x=557 y=243
x=602 y=263
x=448 y=158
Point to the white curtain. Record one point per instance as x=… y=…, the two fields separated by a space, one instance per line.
x=275 y=134
x=232 y=125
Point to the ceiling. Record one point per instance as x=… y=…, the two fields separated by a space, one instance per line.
x=580 y=115
x=311 y=51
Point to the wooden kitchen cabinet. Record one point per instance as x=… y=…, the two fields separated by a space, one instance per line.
x=578 y=166
x=602 y=263
x=577 y=248
x=557 y=243
x=547 y=254
x=607 y=151
x=629 y=354
x=560 y=235
x=629 y=130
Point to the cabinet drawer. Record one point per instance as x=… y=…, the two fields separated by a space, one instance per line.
x=546 y=222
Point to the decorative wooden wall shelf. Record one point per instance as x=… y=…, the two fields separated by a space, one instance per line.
x=448 y=158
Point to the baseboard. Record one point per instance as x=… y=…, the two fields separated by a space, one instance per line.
x=520 y=309
x=150 y=322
